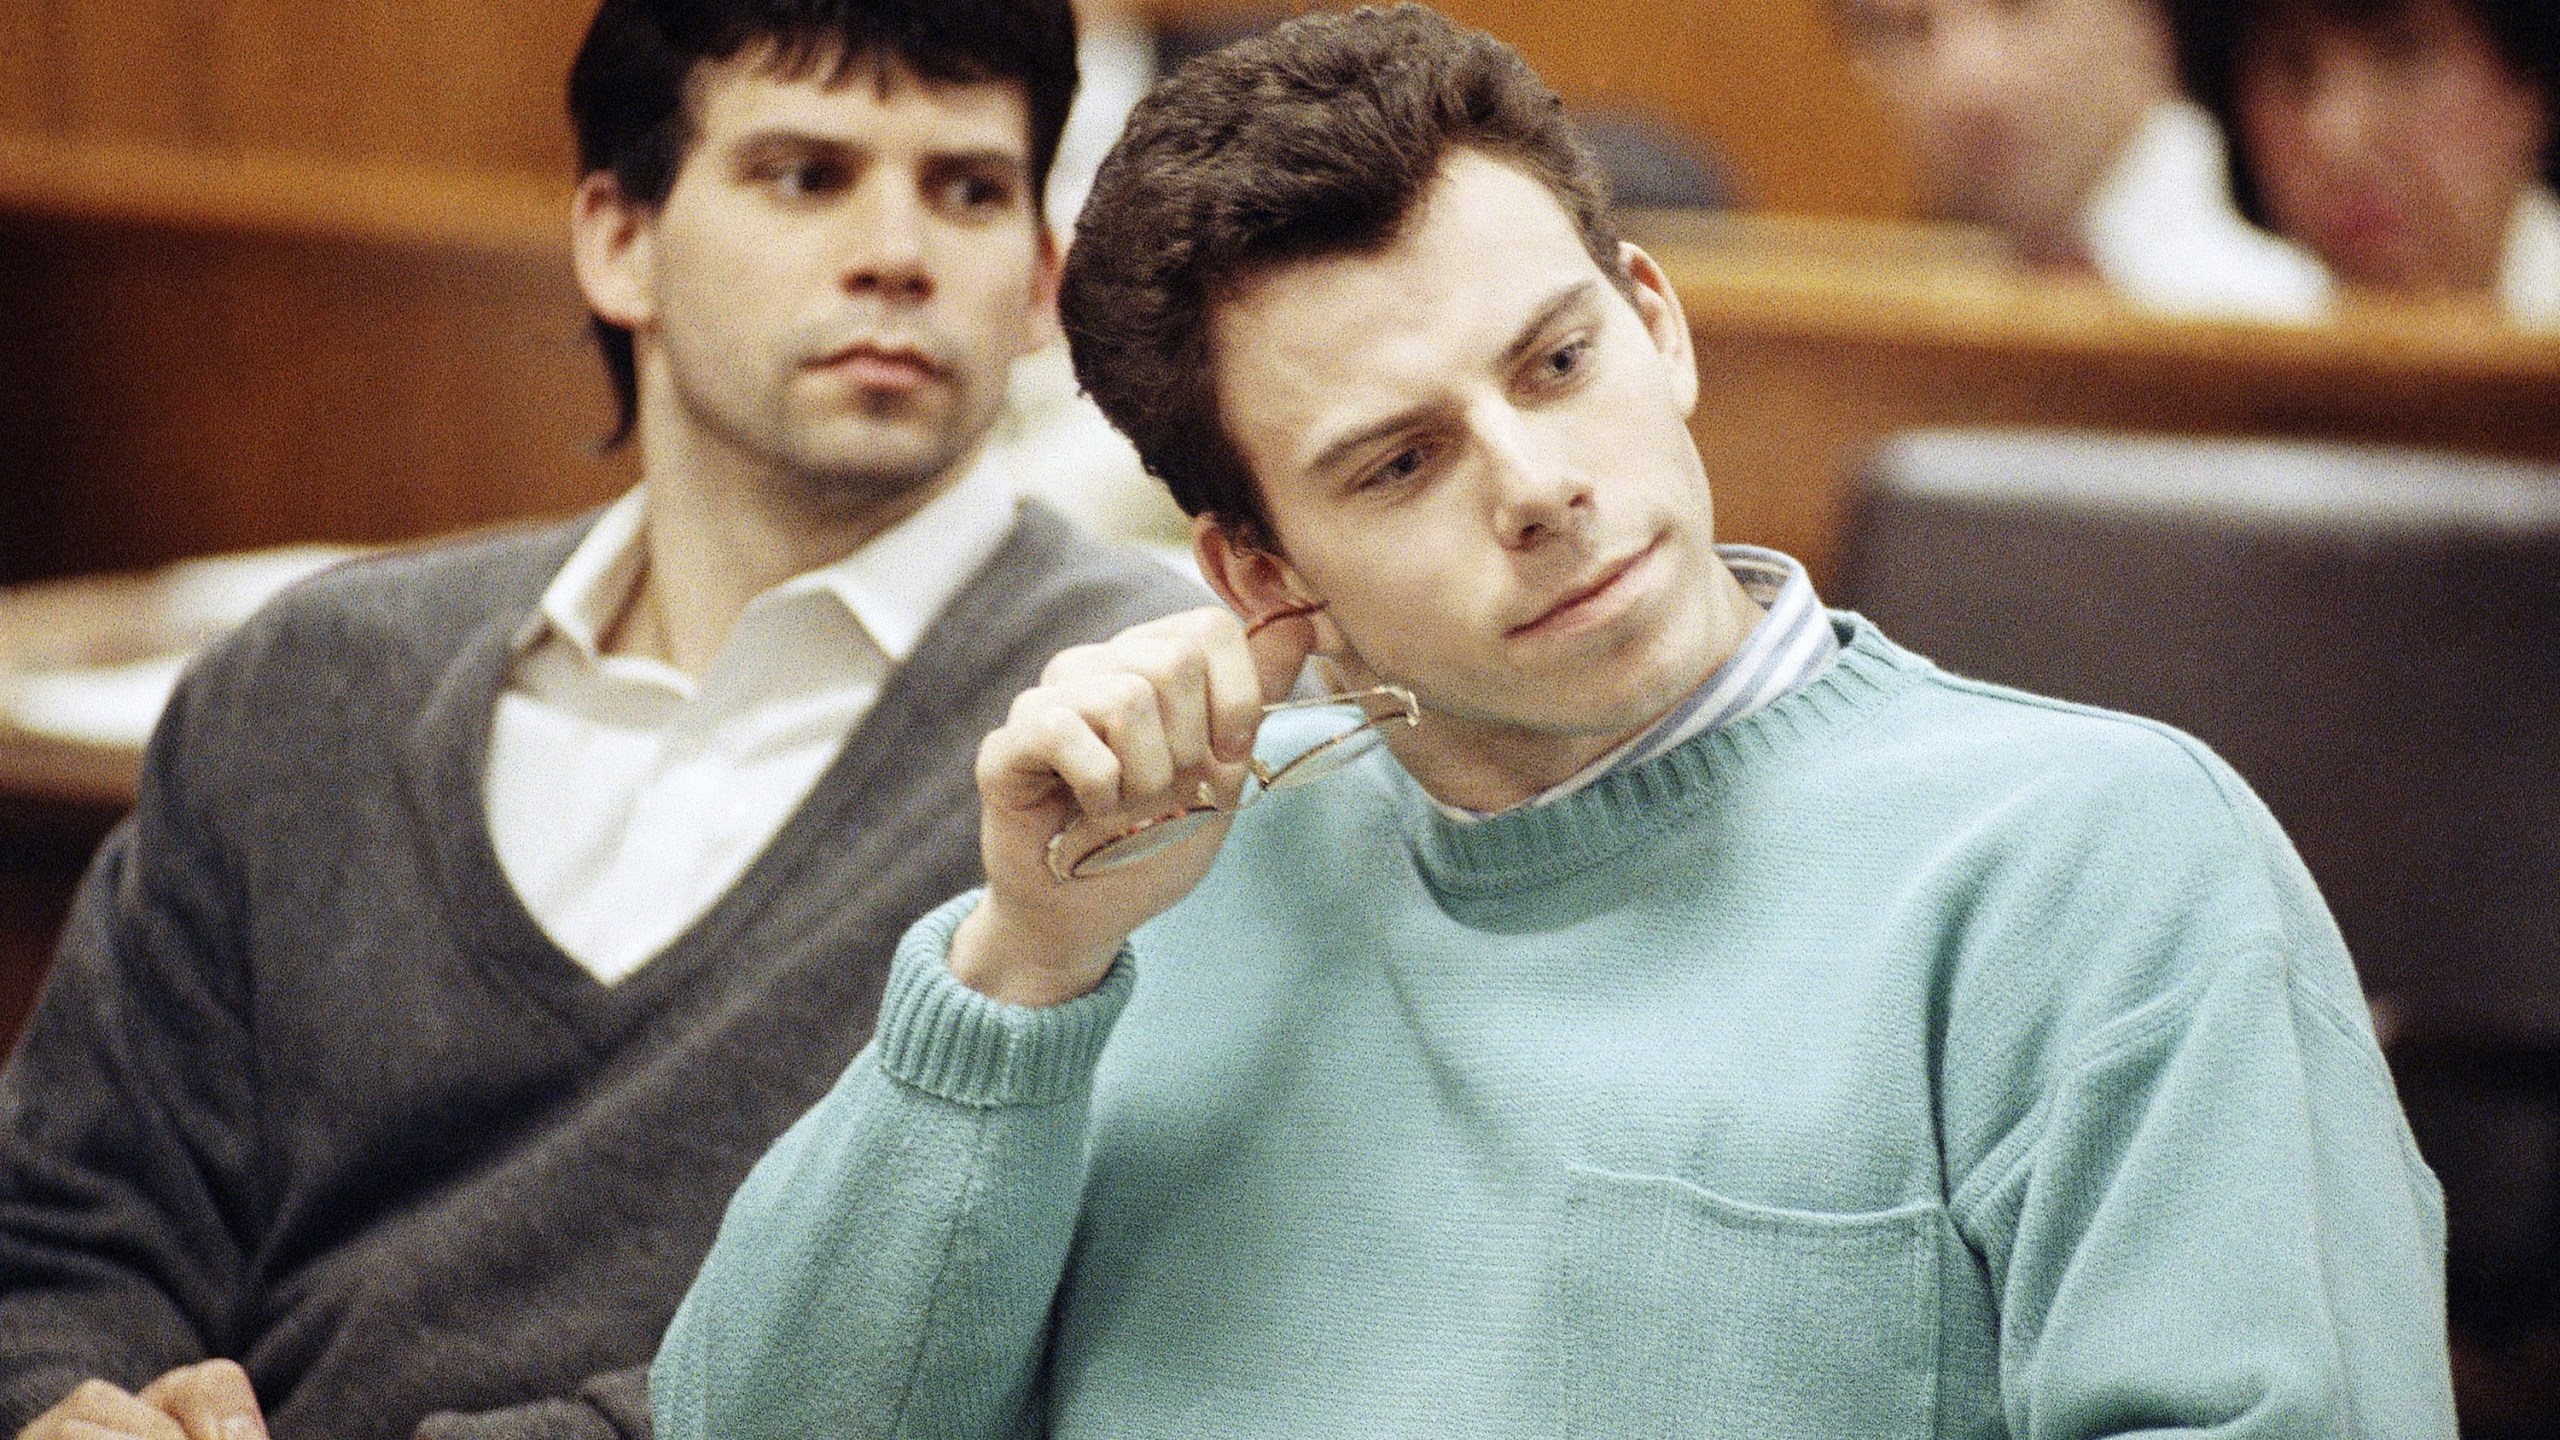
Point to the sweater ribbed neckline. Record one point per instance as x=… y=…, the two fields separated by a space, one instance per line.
x=1541 y=844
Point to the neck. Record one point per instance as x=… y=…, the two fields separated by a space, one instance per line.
x=1491 y=766
x=2478 y=269
x=712 y=545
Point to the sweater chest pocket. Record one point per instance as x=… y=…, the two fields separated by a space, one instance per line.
x=1681 y=1313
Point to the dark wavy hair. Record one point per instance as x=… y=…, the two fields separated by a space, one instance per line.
x=2212 y=35
x=629 y=88
x=1317 y=138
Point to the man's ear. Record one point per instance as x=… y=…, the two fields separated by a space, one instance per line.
x=1255 y=580
x=1658 y=305
x=612 y=239
x=1041 y=330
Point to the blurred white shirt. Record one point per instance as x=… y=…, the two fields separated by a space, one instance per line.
x=2164 y=229
x=2531 y=284
x=625 y=797
x=1115 y=67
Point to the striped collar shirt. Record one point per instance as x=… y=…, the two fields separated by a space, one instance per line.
x=1788 y=650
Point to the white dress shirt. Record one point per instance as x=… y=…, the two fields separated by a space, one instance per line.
x=2163 y=229
x=625 y=797
x=2531 y=284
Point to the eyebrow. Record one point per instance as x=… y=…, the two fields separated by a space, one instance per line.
x=1528 y=338
x=787 y=139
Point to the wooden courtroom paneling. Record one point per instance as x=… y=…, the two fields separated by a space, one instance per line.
x=193 y=391
x=1764 y=82
x=24 y=66
x=477 y=83
x=168 y=188
x=454 y=82
x=1808 y=355
x=125 y=71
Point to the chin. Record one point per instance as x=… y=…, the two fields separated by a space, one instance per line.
x=872 y=479
x=1625 y=703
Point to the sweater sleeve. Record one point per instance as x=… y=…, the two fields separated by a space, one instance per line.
x=889 y=1267
x=128 y=1124
x=2209 y=1217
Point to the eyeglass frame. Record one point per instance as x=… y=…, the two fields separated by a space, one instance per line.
x=1266 y=777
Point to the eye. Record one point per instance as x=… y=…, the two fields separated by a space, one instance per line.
x=1565 y=363
x=2283 y=61
x=974 y=194
x=1891 y=26
x=803 y=179
x=2401 y=45
x=1398 y=468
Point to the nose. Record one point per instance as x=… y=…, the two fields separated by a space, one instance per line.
x=1975 y=73
x=1535 y=499
x=2339 y=110
x=884 y=255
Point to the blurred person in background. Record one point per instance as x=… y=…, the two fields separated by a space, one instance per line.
x=1050 y=434
x=2411 y=143
x=489 y=907
x=2059 y=123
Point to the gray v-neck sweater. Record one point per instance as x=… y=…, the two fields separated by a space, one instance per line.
x=310 y=1088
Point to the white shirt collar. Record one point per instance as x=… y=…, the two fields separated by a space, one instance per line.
x=2163 y=229
x=893 y=586
x=593 y=584
x=2531 y=284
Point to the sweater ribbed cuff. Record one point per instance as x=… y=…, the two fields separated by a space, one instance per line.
x=946 y=1039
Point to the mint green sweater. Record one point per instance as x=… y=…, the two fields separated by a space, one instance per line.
x=1914 y=1058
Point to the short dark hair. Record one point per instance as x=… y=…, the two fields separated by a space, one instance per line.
x=1318 y=138
x=2212 y=35
x=630 y=86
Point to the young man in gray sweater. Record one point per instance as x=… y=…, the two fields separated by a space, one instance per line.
x=489 y=909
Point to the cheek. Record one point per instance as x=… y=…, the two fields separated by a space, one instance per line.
x=720 y=300
x=1396 y=584
x=1919 y=103
x=2275 y=134
x=989 y=280
x=2482 y=134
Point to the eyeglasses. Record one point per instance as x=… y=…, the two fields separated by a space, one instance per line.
x=1372 y=713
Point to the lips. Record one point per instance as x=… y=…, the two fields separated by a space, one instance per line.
x=1586 y=600
x=2361 y=229
x=876 y=366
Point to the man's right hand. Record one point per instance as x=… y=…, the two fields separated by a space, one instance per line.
x=208 y=1401
x=1128 y=729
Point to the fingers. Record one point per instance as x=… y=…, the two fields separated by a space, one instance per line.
x=1155 y=723
x=1046 y=744
x=74 y=1429
x=100 y=1411
x=210 y=1401
x=1236 y=692
x=1279 y=651
x=1125 y=721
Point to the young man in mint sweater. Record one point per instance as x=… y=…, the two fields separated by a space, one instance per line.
x=1708 y=1019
